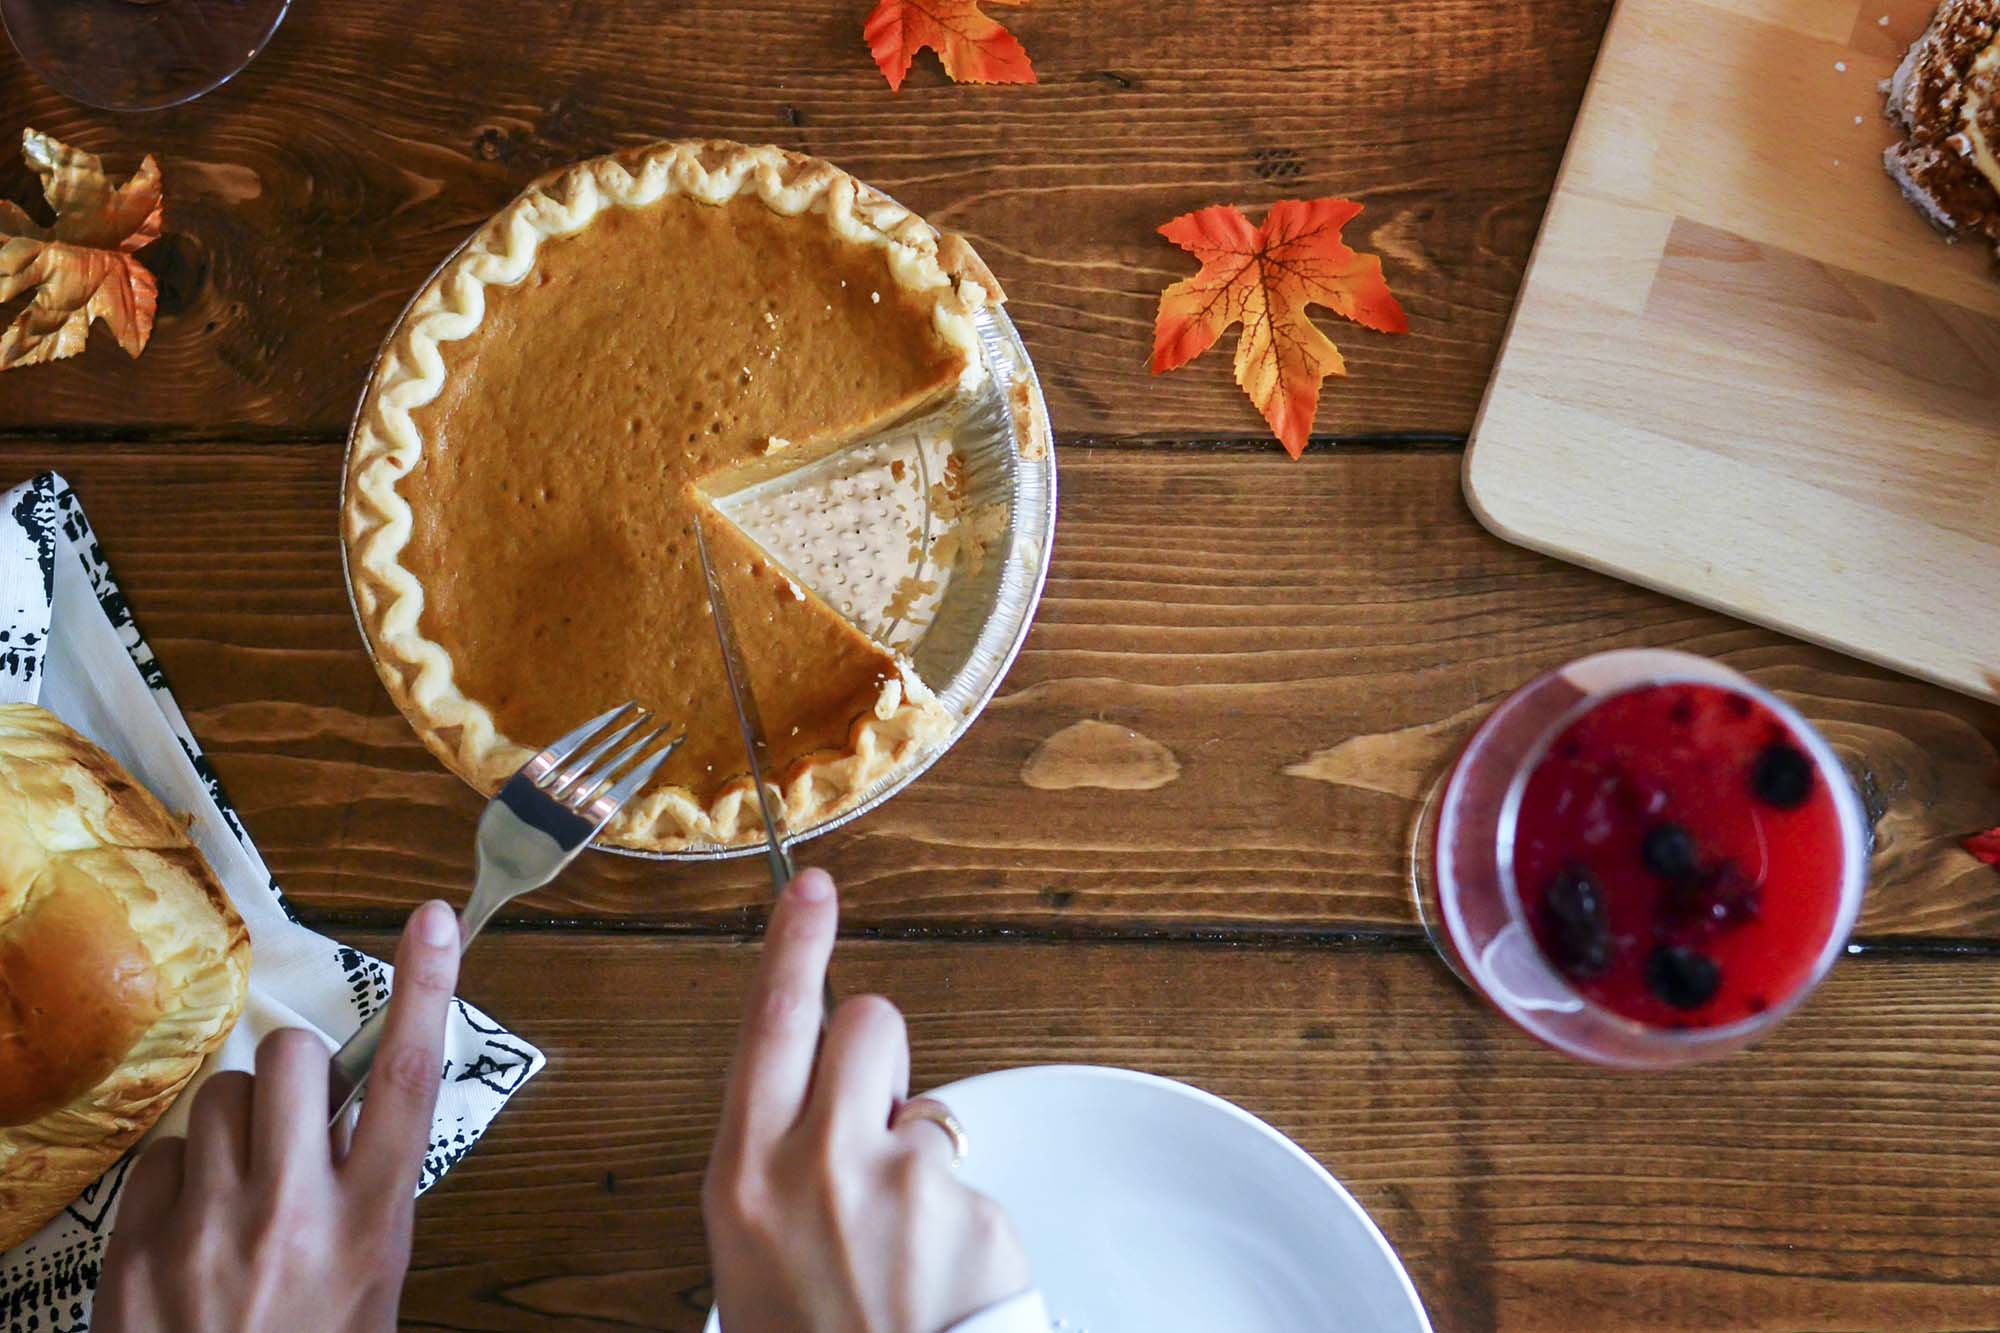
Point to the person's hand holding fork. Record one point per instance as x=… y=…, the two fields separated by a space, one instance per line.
x=258 y=1220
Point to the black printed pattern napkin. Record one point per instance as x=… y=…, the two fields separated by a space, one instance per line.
x=67 y=641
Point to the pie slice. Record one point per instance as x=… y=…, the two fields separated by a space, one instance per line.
x=629 y=339
x=1945 y=96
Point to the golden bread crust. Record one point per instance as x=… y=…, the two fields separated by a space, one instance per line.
x=122 y=964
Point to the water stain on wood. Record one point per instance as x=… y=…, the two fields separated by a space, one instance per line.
x=1397 y=763
x=1099 y=754
x=230 y=182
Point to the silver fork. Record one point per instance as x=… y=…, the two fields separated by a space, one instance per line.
x=533 y=827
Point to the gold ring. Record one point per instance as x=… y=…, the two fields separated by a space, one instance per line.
x=934 y=1112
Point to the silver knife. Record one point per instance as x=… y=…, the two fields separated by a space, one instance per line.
x=754 y=744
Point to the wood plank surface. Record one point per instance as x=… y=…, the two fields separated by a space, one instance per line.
x=1840 y=1176
x=308 y=199
x=1243 y=674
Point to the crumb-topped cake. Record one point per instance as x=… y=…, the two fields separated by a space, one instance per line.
x=1946 y=98
x=630 y=338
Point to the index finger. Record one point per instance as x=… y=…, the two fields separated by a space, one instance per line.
x=402 y=1091
x=779 y=1039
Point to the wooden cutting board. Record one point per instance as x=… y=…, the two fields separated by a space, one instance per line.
x=1742 y=369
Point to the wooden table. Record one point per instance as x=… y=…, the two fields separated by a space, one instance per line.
x=1176 y=839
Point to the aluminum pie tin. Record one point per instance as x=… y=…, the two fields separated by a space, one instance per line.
x=1008 y=459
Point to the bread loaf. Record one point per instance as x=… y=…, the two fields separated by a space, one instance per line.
x=122 y=965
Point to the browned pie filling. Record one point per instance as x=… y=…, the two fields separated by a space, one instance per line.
x=555 y=498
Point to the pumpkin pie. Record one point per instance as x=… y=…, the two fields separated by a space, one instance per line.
x=631 y=338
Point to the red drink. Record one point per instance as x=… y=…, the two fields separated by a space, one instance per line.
x=1678 y=857
x=1643 y=859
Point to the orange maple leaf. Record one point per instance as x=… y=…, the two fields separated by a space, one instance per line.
x=972 y=46
x=1266 y=277
x=82 y=266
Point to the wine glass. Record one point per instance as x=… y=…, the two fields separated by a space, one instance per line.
x=139 y=55
x=1638 y=890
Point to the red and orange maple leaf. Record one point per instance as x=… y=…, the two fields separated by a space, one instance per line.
x=1265 y=277
x=973 y=47
x=84 y=265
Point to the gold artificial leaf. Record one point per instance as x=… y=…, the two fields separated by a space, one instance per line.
x=83 y=266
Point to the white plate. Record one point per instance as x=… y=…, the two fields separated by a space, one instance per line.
x=1149 y=1206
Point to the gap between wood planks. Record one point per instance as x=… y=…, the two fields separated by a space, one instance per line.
x=223 y=441
x=1276 y=938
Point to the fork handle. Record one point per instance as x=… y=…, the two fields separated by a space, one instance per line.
x=347 y=1072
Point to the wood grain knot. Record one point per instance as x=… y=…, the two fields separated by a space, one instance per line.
x=490 y=144
x=180 y=263
x=565 y=131
x=1097 y=754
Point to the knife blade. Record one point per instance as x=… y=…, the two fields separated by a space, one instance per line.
x=737 y=670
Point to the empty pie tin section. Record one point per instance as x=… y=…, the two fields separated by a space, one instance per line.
x=932 y=537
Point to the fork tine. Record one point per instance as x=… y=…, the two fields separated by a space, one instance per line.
x=555 y=752
x=580 y=794
x=629 y=785
x=559 y=783
x=611 y=769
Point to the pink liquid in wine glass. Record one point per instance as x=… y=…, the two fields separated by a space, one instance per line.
x=1678 y=857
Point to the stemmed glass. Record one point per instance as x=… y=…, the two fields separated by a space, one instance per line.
x=1480 y=918
x=139 y=55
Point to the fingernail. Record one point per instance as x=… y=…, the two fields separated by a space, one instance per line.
x=435 y=924
x=813 y=886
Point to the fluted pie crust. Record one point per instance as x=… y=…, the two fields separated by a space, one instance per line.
x=552 y=414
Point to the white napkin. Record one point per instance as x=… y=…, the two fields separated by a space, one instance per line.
x=67 y=641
